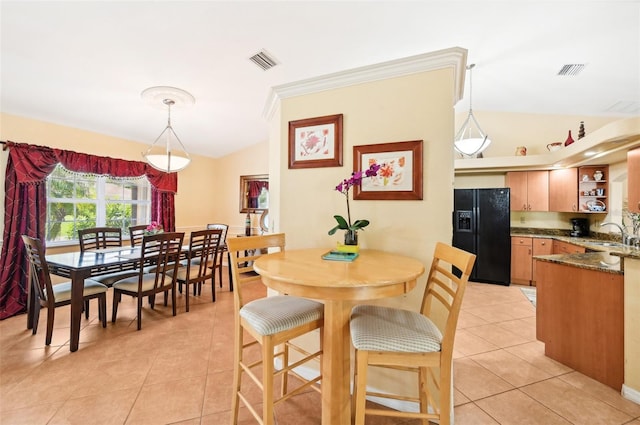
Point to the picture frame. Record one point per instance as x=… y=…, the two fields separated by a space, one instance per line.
x=316 y=142
x=400 y=175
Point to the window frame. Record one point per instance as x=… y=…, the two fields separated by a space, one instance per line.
x=101 y=202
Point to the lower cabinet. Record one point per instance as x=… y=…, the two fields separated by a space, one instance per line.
x=541 y=246
x=523 y=249
x=521 y=260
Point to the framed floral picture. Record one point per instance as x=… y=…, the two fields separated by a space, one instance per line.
x=400 y=173
x=316 y=142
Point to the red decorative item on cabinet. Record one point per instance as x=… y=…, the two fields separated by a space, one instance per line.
x=569 y=139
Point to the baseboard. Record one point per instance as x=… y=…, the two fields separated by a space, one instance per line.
x=630 y=394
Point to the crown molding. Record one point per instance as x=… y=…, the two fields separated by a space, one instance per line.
x=454 y=57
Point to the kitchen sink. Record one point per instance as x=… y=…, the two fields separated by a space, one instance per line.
x=615 y=244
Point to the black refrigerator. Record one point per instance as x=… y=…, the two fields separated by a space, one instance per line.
x=481 y=225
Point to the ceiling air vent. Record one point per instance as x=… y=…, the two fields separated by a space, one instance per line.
x=571 y=69
x=263 y=60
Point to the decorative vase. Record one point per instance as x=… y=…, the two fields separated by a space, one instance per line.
x=569 y=139
x=597 y=176
x=351 y=237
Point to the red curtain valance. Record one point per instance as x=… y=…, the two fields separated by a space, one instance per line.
x=34 y=163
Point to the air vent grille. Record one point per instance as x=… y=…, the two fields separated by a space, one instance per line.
x=571 y=69
x=263 y=60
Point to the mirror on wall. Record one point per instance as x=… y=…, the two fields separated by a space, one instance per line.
x=254 y=193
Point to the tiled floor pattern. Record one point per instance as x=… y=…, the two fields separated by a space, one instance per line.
x=177 y=370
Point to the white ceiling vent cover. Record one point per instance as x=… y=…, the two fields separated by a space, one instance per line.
x=263 y=60
x=571 y=69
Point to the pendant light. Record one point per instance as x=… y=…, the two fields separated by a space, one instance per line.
x=167 y=153
x=470 y=140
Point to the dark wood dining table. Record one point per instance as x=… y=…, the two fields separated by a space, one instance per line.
x=78 y=266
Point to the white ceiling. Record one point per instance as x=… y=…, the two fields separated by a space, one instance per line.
x=84 y=63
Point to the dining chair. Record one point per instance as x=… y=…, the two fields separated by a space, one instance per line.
x=163 y=251
x=200 y=263
x=421 y=341
x=96 y=238
x=272 y=323
x=222 y=249
x=136 y=233
x=101 y=238
x=52 y=296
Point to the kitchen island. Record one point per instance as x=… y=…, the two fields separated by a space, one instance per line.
x=588 y=313
x=580 y=313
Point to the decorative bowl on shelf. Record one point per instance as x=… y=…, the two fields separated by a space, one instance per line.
x=596 y=205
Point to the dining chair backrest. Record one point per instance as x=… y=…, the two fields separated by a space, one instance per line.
x=97 y=238
x=38 y=277
x=220 y=226
x=136 y=233
x=203 y=249
x=243 y=252
x=445 y=289
x=162 y=250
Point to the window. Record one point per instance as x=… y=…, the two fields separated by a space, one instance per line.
x=78 y=201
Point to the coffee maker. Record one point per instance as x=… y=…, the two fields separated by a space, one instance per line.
x=580 y=227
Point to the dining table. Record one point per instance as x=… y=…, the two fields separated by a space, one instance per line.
x=78 y=266
x=339 y=285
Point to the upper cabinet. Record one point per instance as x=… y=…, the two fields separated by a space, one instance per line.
x=633 y=180
x=563 y=190
x=593 y=188
x=529 y=190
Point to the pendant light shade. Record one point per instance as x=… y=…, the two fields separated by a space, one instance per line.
x=470 y=140
x=167 y=153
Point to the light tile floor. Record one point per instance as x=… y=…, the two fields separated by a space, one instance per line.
x=178 y=370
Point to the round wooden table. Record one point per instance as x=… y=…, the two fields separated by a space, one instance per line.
x=340 y=284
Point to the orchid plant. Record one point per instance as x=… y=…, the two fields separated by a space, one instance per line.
x=153 y=228
x=344 y=187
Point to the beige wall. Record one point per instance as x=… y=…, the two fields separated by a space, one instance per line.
x=208 y=189
x=507 y=130
x=415 y=107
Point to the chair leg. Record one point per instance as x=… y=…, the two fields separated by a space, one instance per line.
x=139 y=299
x=36 y=316
x=267 y=381
x=187 y=296
x=86 y=309
x=51 y=315
x=102 y=309
x=237 y=371
x=230 y=273
x=114 y=309
x=361 y=386
x=445 y=392
x=423 y=389
x=173 y=298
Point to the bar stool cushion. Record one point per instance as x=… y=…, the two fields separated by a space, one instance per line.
x=275 y=314
x=377 y=328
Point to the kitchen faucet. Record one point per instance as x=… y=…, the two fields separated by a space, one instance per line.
x=625 y=239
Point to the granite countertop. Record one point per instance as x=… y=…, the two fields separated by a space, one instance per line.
x=599 y=261
x=604 y=254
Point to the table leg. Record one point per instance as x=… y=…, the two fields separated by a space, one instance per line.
x=77 y=305
x=336 y=363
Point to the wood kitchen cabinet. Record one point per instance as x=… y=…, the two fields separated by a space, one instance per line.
x=523 y=250
x=633 y=180
x=541 y=246
x=593 y=189
x=529 y=190
x=563 y=190
x=521 y=260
